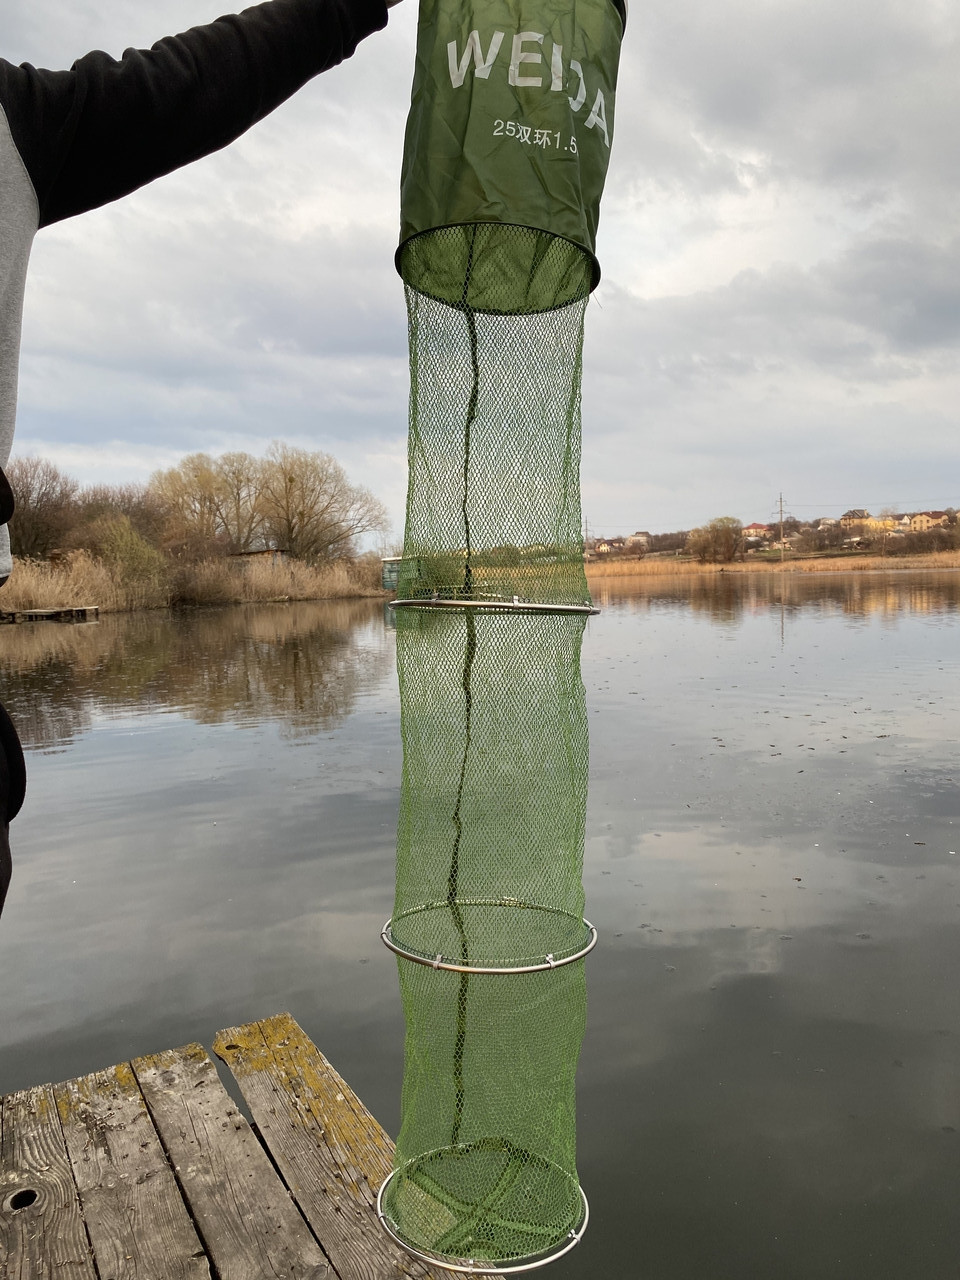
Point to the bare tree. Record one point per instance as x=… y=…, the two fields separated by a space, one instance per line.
x=718 y=542
x=236 y=495
x=45 y=509
x=310 y=507
x=100 y=503
x=669 y=541
x=292 y=500
x=187 y=493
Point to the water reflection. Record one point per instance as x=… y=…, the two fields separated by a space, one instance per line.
x=300 y=664
x=769 y=1082
x=727 y=596
x=773 y=850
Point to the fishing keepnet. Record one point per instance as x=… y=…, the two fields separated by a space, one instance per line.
x=488 y=923
x=505 y=157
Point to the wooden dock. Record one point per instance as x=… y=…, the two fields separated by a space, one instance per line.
x=81 y=613
x=148 y=1170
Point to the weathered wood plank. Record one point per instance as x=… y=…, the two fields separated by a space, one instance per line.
x=136 y=1221
x=330 y=1150
x=83 y=613
x=41 y=1229
x=249 y=1225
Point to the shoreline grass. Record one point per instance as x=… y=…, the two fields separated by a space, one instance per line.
x=650 y=567
x=81 y=579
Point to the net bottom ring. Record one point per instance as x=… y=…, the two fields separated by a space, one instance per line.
x=488 y=1267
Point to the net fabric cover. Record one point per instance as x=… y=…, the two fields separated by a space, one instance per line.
x=511 y=120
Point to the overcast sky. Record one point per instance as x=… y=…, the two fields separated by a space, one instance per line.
x=779 y=309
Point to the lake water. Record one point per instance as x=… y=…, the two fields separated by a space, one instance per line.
x=770 y=1081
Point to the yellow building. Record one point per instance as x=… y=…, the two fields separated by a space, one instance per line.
x=924 y=521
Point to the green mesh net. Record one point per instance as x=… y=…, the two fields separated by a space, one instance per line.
x=486 y=1157
x=490 y=839
x=493 y=506
x=488 y=922
x=505 y=157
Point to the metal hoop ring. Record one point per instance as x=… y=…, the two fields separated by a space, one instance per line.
x=469 y=1266
x=500 y=606
x=455 y=966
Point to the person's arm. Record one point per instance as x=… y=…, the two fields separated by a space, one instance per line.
x=100 y=130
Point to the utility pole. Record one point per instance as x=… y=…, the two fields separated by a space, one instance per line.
x=781 y=531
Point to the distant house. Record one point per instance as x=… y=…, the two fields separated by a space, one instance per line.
x=924 y=521
x=856 y=516
x=826 y=523
x=639 y=539
x=756 y=530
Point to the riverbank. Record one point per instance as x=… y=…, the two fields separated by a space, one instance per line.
x=651 y=567
x=82 y=580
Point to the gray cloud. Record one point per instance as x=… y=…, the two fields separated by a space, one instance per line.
x=850 y=93
x=779 y=309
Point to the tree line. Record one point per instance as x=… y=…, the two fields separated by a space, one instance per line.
x=290 y=500
x=722 y=540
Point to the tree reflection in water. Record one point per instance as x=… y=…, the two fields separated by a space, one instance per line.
x=725 y=597
x=302 y=664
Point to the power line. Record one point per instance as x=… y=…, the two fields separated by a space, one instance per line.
x=614 y=527
x=916 y=503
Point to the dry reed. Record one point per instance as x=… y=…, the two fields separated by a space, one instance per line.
x=84 y=580
x=671 y=568
x=261 y=580
x=79 y=580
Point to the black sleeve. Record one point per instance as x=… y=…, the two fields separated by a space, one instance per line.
x=104 y=128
